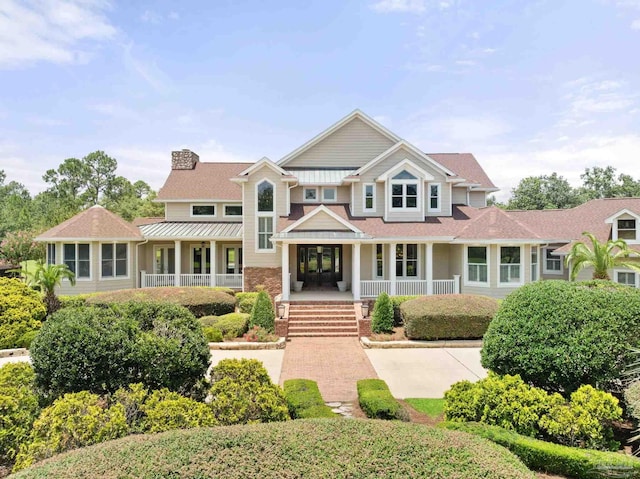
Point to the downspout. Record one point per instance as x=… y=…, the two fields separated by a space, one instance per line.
x=138 y=261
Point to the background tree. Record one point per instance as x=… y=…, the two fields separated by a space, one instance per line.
x=601 y=257
x=599 y=182
x=15 y=206
x=543 y=192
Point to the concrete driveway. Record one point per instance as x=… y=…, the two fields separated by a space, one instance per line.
x=425 y=372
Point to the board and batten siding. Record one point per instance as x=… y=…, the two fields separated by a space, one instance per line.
x=252 y=258
x=182 y=212
x=353 y=145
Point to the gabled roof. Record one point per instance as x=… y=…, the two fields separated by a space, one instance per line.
x=93 y=224
x=409 y=147
x=264 y=161
x=336 y=126
x=624 y=211
x=496 y=224
x=207 y=181
x=322 y=209
x=404 y=163
x=465 y=166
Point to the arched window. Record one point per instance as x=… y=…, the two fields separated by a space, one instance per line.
x=265 y=196
x=265 y=216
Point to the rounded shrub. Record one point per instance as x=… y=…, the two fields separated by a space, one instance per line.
x=262 y=313
x=72 y=421
x=382 y=316
x=455 y=316
x=103 y=349
x=200 y=301
x=212 y=334
x=165 y=410
x=232 y=325
x=246 y=300
x=558 y=334
x=313 y=449
x=21 y=313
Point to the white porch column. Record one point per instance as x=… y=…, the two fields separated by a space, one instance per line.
x=286 y=287
x=178 y=261
x=392 y=269
x=355 y=272
x=214 y=269
x=429 y=268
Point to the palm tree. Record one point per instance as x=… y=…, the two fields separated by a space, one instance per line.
x=46 y=278
x=601 y=256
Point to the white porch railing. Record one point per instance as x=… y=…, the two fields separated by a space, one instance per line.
x=416 y=287
x=162 y=280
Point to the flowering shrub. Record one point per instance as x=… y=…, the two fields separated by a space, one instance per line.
x=258 y=334
x=19 y=247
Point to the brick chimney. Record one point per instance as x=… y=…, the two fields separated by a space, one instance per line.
x=184 y=160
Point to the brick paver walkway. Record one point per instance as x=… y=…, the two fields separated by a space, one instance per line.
x=335 y=363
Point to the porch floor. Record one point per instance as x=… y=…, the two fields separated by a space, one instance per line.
x=320 y=295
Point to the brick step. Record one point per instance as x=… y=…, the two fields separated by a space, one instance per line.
x=312 y=303
x=324 y=334
x=307 y=323
x=322 y=314
x=322 y=329
x=322 y=308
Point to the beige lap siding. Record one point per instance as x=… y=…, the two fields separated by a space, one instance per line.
x=179 y=211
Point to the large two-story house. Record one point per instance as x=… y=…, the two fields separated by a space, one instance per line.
x=356 y=208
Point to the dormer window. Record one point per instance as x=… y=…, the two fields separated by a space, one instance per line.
x=404 y=191
x=627 y=230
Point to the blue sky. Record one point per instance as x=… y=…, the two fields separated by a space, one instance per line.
x=529 y=87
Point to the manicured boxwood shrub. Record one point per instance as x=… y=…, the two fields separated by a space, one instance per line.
x=246 y=300
x=396 y=301
x=18 y=408
x=448 y=316
x=263 y=314
x=382 y=316
x=103 y=349
x=376 y=400
x=313 y=449
x=21 y=313
x=507 y=401
x=232 y=325
x=74 y=301
x=200 y=301
x=558 y=335
x=212 y=335
x=304 y=399
x=242 y=392
x=553 y=458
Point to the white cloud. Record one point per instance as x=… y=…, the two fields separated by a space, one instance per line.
x=52 y=31
x=148 y=70
x=402 y=6
x=156 y=18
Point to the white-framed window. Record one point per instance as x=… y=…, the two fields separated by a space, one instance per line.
x=534 y=263
x=201 y=210
x=232 y=211
x=378 y=261
x=200 y=259
x=310 y=194
x=630 y=278
x=434 y=197
x=233 y=259
x=265 y=216
x=369 y=197
x=552 y=263
x=114 y=260
x=510 y=265
x=407 y=260
x=329 y=194
x=477 y=259
x=51 y=253
x=404 y=191
x=77 y=256
x=627 y=230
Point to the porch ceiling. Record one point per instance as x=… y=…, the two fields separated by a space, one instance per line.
x=186 y=230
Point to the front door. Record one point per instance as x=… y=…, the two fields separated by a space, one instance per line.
x=319 y=265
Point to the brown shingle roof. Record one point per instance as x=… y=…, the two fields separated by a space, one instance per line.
x=494 y=223
x=465 y=166
x=148 y=220
x=207 y=181
x=95 y=223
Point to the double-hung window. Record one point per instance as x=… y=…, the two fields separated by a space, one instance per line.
x=265 y=215
x=369 y=197
x=77 y=256
x=477 y=265
x=407 y=260
x=114 y=260
x=51 y=253
x=627 y=230
x=510 y=264
x=434 y=197
x=552 y=263
x=404 y=191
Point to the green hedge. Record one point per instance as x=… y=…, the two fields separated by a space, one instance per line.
x=200 y=301
x=74 y=301
x=246 y=300
x=377 y=402
x=553 y=458
x=312 y=448
x=21 y=313
x=232 y=325
x=451 y=316
x=304 y=399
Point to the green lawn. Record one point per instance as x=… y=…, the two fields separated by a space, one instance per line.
x=429 y=406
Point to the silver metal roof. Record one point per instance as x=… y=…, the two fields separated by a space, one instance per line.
x=321 y=235
x=185 y=230
x=321 y=177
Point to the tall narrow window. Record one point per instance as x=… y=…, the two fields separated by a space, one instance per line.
x=77 y=258
x=233 y=259
x=201 y=260
x=534 y=263
x=477 y=264
x=434 y=197
x=51 y=253
x=369 y=197
x=407 y=260
x=265 y=216
x=265 y=231
x=379 y=261
x=114 y=260
x=509 y=264
x=265 y=196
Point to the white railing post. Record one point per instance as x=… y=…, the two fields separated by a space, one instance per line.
x=143 y=279
x=355 y=279
x=456 y=284
x=212 y=264
x=177 y=257
x=286 y=289
x=429 y=266
x=392 y=269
